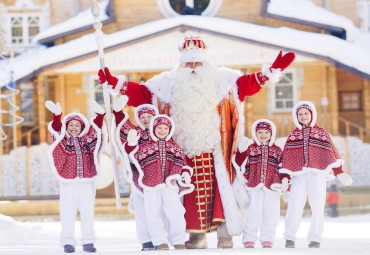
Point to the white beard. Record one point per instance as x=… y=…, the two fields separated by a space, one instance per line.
x=194 y=109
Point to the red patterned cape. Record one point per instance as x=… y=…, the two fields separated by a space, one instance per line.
x=310 y=150
x=160 y=162
x=75 y=158
x=262 y=167
x=130 y=172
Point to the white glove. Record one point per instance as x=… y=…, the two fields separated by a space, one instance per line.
x=243 y=144
x=53 y=107
x=132 y=137
x=96 y=107
x=346 y=179
x=284 y=184
x=186 y=177
x=120 y=103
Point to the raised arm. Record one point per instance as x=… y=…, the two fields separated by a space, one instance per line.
x=250 y=84
x=57 y=114
x=138 y=94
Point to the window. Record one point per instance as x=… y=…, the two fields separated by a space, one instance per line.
x=284 y=94
x=23 y=28
x=26 y=94
x=363 y=12
x=95 y=92
x=171 y=8
x=350 y=101
x=22 y=22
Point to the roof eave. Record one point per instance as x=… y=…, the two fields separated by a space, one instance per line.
x=328 y=28
x=112 y=18
x=184 y=28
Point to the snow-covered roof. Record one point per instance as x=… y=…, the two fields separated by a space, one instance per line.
x=80 y=22
x=344 y=54
x=306 y=10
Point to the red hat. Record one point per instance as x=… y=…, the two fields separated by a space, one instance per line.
x=161 y=121
x=148 y=110
x=193 y=49
x=264 y=125
x=306 y=106
x=75 y=117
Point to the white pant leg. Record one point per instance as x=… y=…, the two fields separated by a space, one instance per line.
x=153 y=214
x=87 y=192
x=222 y=231
x=142 y=230
x=253 y=216
x=316 y=198
x=296 y=202
x=68 y=203
x=270 y=216
x=174 y=211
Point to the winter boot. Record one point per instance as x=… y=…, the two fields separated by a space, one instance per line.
x=248 y=245
x=162 y=246
x=148 y=246
x=89 y=248
x=179 y=246
x=289 y=244
x=266 y=244
x=69 y=248
x=225 y=242
x=196 y=241
x=314 y=244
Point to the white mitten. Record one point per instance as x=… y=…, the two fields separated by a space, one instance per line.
x=243 y=144
x=96 y=107
x=284 y=184
x=186 y=177
x=346 y=179
x=132 y=137
x=53 y=107
x=120 y=103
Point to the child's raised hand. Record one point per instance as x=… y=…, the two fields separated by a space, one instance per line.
x=96 y=107
x=53 y=107
x=120 y=103
x=132 y=137
x=243 y=144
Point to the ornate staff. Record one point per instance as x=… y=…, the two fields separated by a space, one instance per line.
x=95 y=10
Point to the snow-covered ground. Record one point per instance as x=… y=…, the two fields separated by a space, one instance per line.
x=342 y=236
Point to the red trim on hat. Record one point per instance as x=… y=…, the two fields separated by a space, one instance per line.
x=75 y=117
x=264 y=125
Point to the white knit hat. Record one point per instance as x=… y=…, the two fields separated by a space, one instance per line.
x=193 y=50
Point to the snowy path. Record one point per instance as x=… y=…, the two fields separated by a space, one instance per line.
x=342 y=236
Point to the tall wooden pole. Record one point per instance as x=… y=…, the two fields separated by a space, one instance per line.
x=95 y=10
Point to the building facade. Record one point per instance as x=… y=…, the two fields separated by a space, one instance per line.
x=56 y=56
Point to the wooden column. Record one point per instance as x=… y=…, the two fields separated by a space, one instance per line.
x=366 y=98
x=60 y=92
x=41 y=111
x=333 y=99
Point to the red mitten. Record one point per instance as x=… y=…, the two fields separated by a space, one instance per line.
x=102 y=78
x=56 y=124
x=110 y=78
x=240 y=157
x=98 y=120
x=283 y=62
